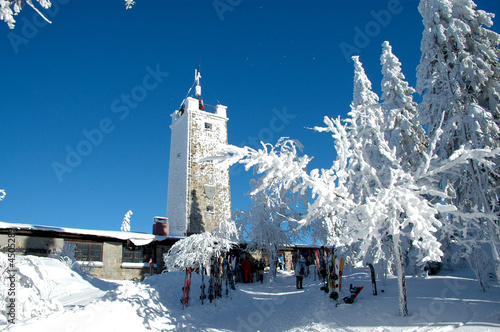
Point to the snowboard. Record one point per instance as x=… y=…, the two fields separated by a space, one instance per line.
x=374 y=283
x=334 y=277
x=336 y=273
x=354 y=293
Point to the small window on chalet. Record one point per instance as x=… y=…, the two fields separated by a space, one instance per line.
x=134 y=254
x=87 y=251
x=208 y=126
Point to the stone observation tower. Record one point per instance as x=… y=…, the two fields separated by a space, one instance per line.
x=199 y=195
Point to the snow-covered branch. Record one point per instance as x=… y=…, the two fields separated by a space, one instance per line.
x=11 y=8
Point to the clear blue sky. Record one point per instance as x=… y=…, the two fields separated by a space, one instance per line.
x=280 y=67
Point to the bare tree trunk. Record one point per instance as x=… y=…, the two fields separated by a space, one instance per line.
x=398 y=255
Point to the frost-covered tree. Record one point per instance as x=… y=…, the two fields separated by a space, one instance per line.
x=126 y=222
x=270 y=221
x=198 y=250
x=369 y=198
x=365 y=123
x=402 y=129
x=459 y=78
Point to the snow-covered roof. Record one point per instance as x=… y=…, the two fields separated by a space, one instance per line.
x=138 y=239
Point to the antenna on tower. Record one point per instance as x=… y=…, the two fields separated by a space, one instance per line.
x=197 y=77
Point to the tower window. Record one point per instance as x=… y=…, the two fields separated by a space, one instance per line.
x=210 y=209
x=210 y=191
x=208 y=126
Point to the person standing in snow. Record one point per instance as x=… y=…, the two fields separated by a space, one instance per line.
x=300 y=271
x=260 y=270
x=247 y=270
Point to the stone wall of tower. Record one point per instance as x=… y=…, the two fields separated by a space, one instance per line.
x=209 y=195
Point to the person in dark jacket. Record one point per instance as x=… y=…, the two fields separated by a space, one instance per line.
x=300 y=271
x=260 y=270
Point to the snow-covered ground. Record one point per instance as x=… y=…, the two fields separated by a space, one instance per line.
x=446 y=302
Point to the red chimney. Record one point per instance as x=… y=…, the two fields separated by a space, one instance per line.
x=160 y=226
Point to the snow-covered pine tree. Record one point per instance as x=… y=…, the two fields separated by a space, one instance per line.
x=402 y=129
x=365 y=121
x=373 y=173
x=459 y=77
x=403 y=132
x=126 y=222
x=394 y=205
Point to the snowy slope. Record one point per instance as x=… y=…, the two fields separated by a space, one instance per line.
x=445 y=302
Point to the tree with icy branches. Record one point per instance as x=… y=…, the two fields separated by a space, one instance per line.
x=197 y=250
x=459 y=78
x=365 y=117
x=403 y=131
x=270 y=221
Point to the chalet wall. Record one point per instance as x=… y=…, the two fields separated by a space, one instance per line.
x=29 y=245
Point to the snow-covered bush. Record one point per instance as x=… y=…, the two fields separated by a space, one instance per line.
x=67 y=255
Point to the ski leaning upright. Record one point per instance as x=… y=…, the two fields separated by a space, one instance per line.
x=203 y=296
x=185 y=289
x=341 y=272
x=374 y=283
